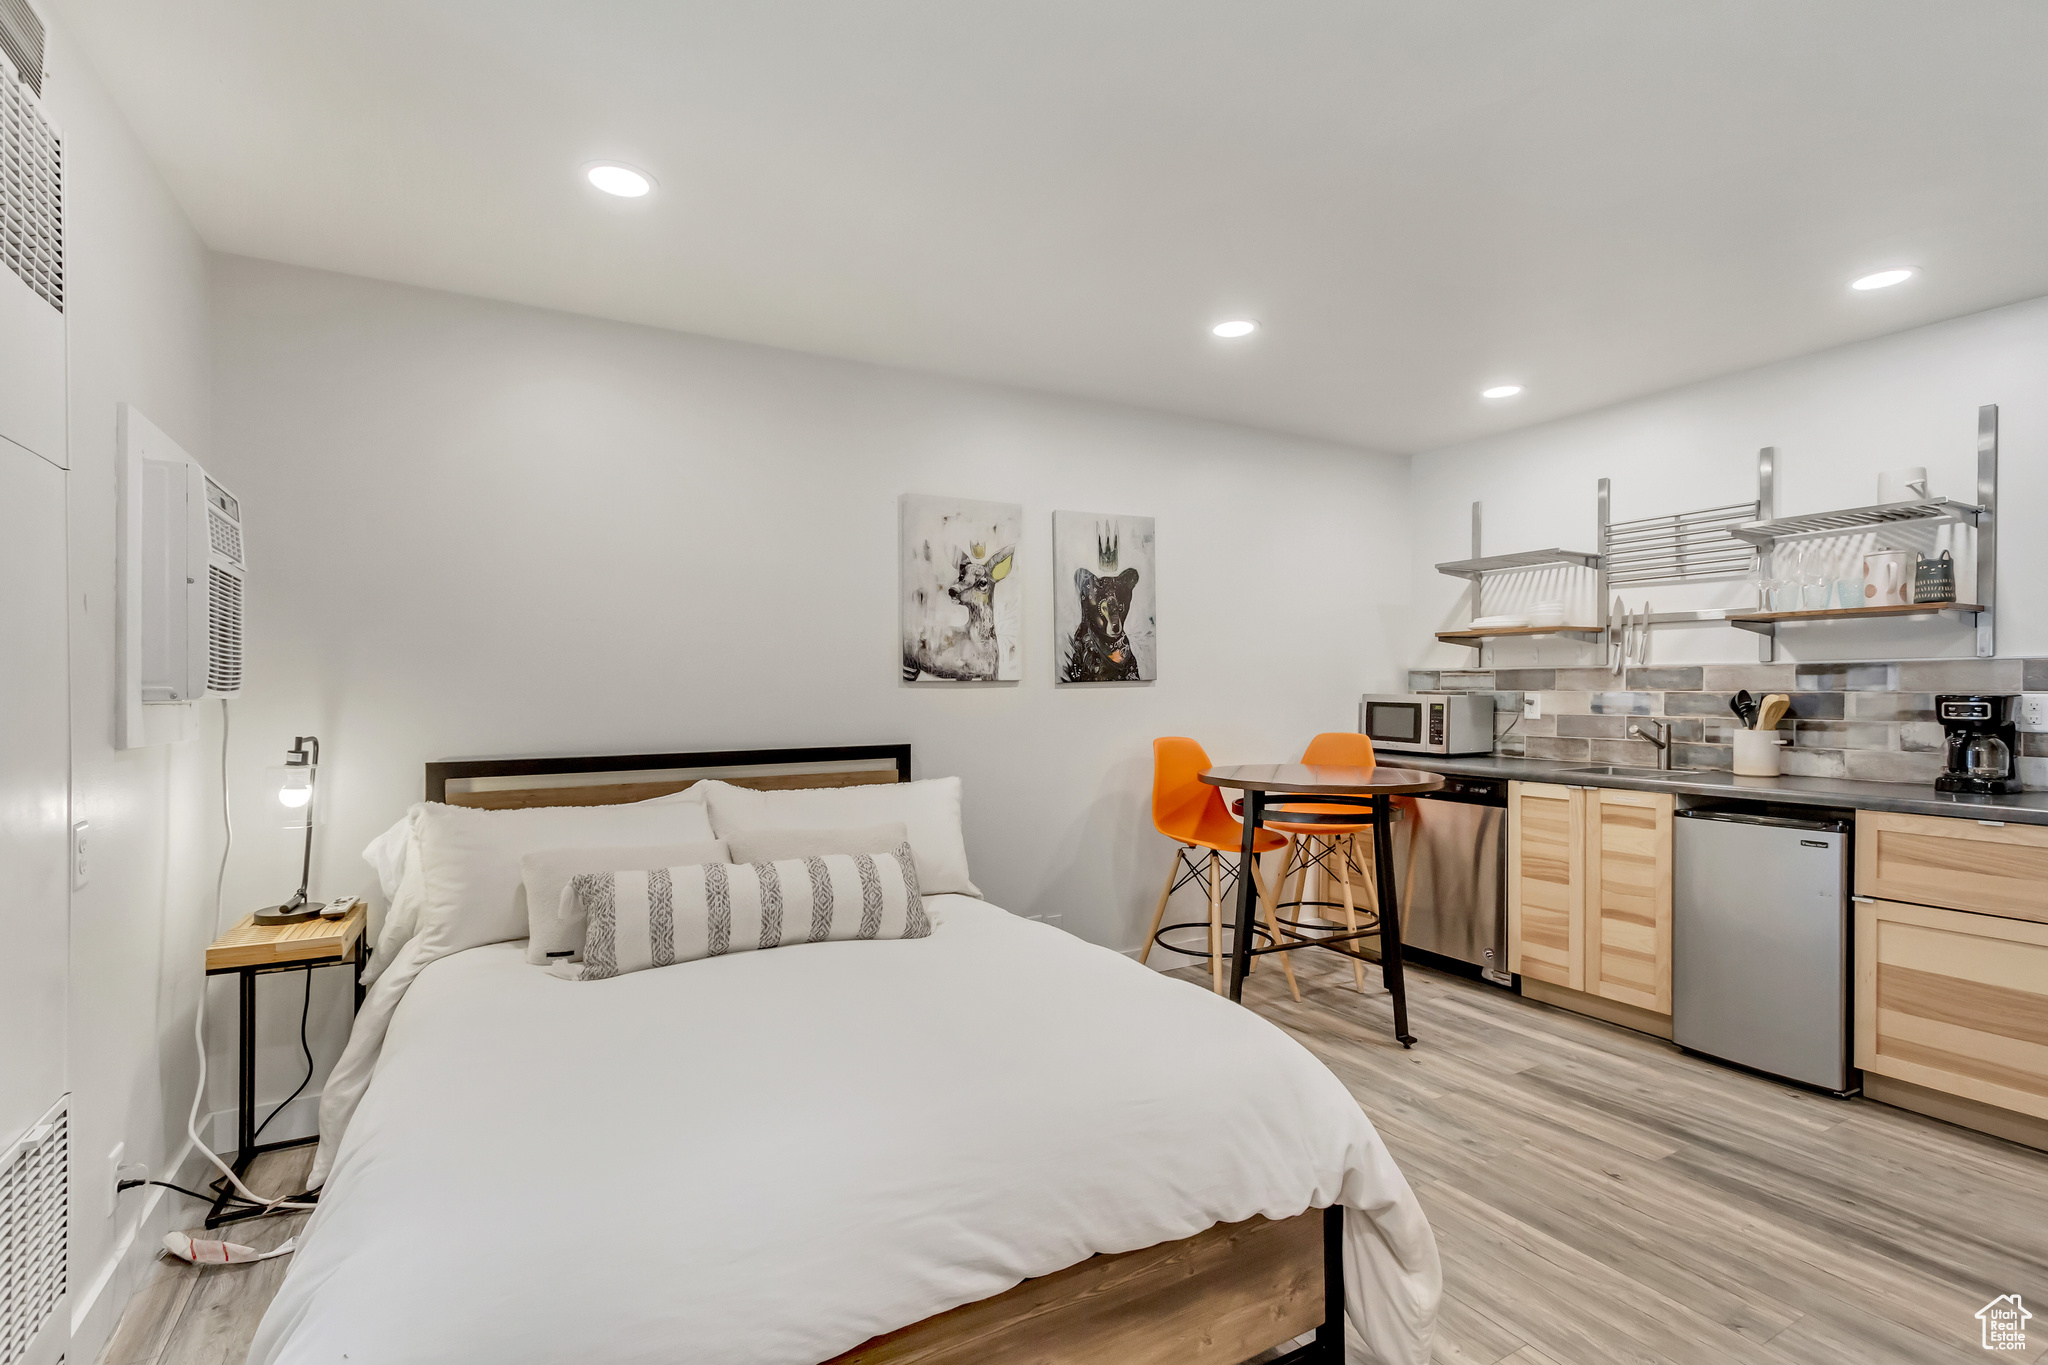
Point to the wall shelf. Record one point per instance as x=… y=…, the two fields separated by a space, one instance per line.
x=1764 y=622
x=1527 y=559
x=1764 y=534
x=1479 y=637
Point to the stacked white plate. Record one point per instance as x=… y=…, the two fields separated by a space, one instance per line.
x=1501 y=622
x=1547 y=614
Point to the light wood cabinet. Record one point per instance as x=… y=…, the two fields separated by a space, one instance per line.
x=1954 y=1001
x=1589 y=891
x=1628 y=897
x=1996 y=869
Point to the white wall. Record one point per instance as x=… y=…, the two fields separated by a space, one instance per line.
x=136 y=285
x=478 y=529
x=1837 y=419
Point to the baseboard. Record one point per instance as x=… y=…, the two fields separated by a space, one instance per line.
x=96 y=1309
x=1599 y=1007
x=2024 y=1129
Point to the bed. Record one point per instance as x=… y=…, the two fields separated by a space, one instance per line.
x=997 y=1144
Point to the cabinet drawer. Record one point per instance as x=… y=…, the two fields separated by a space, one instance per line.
x=1960 y=864
x=1955 y=1002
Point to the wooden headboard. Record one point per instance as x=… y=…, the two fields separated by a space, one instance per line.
x=613 y=779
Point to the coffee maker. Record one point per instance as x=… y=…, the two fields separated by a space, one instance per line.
x=1981 y=754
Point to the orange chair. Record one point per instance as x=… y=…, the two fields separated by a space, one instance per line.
x=1318 y=843
x=1193 y=815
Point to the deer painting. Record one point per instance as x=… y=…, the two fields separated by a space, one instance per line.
x=955 y=627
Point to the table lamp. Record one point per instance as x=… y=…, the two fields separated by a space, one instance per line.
x=295 y=792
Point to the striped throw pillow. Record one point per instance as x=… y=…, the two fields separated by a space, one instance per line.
x=639 y=920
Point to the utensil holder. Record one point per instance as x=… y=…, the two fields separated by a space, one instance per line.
x=1756 y=753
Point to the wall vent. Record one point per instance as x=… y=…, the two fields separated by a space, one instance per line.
x=21 y=38
x=31 y=184
x=33 y=1232
x=223 y=631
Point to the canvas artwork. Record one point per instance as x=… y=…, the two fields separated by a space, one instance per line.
x=963 y=602
x=1105 y=595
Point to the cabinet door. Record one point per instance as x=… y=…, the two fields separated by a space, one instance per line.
x=1546 y=883
x=1955 y=1002
x=1987 y=866
x=1628 y=897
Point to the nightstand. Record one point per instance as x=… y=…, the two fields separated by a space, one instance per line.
x=250 y=950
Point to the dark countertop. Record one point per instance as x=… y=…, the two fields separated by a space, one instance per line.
x=2027 y=808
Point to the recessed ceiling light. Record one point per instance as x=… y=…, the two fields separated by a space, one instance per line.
x=1501 y=391
x=1242 y=327
x=1883 y=279
x=623 y=181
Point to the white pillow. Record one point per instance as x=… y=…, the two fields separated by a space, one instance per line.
x=470 y=858
x=396 y=855
x=929 y=810
x=554 y=917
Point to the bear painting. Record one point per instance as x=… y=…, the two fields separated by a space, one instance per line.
x=1104 y=598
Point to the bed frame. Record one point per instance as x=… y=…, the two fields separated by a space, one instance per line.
x=1217 y=1298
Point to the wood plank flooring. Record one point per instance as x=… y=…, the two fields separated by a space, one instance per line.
x=1599 y=1197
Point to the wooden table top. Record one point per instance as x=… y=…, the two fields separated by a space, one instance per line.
x=250 y=944
x=1310 y=779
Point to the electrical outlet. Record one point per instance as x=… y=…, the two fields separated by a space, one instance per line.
x=78 y=856
x=2031 y=714
x=1532 y=706
x=114 y=1177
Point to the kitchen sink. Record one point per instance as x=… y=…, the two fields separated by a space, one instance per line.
x=1616 y=770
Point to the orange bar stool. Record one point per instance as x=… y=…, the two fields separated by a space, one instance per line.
x=1317 y=845
x=1193 y=815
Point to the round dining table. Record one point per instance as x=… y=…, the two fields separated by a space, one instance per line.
x=1345 y=795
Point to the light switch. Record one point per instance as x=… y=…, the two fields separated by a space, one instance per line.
x=2031 y=714
x=78 y=856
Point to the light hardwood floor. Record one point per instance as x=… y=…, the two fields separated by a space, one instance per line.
x=1599 y=1198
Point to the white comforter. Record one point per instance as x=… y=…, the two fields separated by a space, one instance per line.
x=770 y=1157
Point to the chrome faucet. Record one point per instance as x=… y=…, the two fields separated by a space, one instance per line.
x=1662 y=739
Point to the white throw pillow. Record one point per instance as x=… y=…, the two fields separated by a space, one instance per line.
x=681 y=914
x=470 y=858
x=780 y=845
x=554 y=917
x=929 y=810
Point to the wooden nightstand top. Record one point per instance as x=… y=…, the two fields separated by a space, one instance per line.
x=250 y=944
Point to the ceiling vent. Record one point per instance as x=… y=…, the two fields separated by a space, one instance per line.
x=21 y=38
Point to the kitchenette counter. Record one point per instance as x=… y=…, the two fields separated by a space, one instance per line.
x=2026 y=808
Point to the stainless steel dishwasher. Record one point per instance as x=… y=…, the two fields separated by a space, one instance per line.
x=1454 y=886
x=1760 y=941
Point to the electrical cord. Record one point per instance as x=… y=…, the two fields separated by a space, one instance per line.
x=305 y=1008
x=234 y=1200
x=205 y=1148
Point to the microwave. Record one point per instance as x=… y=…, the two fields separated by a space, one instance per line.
x=1443 y=723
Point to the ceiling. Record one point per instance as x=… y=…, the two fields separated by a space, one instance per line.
x=1594 y=198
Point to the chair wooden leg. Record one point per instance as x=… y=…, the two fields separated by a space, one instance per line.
x=1271 y=900
x=1350 y=915
x=1216 y=923
x=1160 y=913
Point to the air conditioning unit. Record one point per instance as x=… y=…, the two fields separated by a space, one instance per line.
x=183 y=576
x=32 y=406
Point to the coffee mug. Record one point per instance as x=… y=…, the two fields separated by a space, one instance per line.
x=1934 y=580
x=1888 y=578
x=1903 y=485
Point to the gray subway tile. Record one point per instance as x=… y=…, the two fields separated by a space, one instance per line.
x=1585 y=679
x=1814 y=705
x=2033 y=772
x=1867 y=766
x=1511 y=745
x=1625 y=703
x=1846 y=677
x=1719 y=731
x=1664 y=679
x=1593 y=727
x=1901 y=706
x=1840 y=734
x=1703 y=756
x=1757 y=678
x=1963 y=675
x=1525 y=679
x=1507 y=701
x=1464 y=680
x=1540 y=747
x=1926 y=736
x=1813 y=762
x=2034 y=746
x=1422 y=680
x=1639 y=752
x=2034 y=677
x=1686 y=731
x=1542 y=725
x=1697 y=704
x=1565 y=703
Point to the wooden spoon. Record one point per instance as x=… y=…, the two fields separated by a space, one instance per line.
x=1772 y=711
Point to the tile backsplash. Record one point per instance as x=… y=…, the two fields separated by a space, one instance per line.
x=1868 y=721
